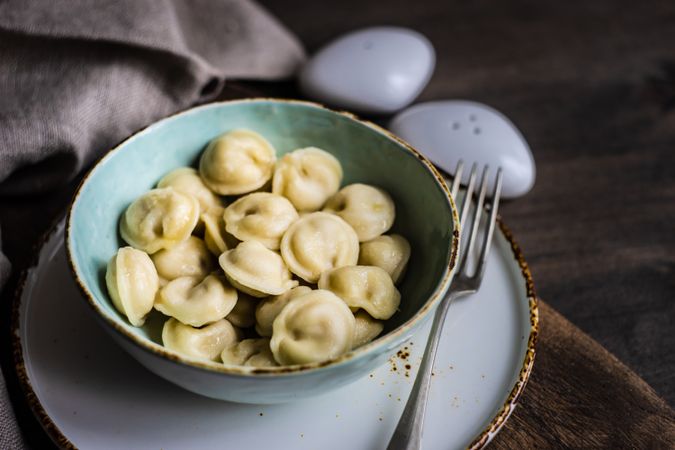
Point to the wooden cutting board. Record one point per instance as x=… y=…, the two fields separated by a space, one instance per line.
x=580 y=396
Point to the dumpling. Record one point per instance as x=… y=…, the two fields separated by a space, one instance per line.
x=367 y=287
x=217 y=240
x=307 y=177
x=189 y=258
x=269 y=308
x=160 y=218
x=202 y=343
x=186 y=180
x=256 y=270
x=365 y=328
x=132 y=283
x=196 y=301
x=249 y=352
x=369 y=210
x=264 y=358
x=391 y=253
x=318 y=242
x=237 y=162
x=262 y=217
x=243 y=313
x=313 y=327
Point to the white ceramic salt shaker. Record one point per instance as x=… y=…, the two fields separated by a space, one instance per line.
x=450 y=130
x=373 y=70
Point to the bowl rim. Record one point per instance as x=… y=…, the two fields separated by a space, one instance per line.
x=386 y=340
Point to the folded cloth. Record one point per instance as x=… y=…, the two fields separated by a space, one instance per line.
x=5 y=267
x=78 y=76
x=10 y=437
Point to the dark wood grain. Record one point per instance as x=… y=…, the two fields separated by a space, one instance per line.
x=592 y=87
x=580 y=396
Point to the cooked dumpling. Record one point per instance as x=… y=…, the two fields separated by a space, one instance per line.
x=237 y=162
x=203 y=343
x=256 y=270
x=243 y=313
x=263 y=358
x=369 y=210
x=160 y=218
x=307 y=177
x=313 y=327
x=318 y=242
x=367 y=287
x=186 y=180
x=249 y=352
x=390 y=253
x=215 y=236
x=262 y=217
x=269 y=308
x=189 y=258
x=365 y=328
x=196 y=301
x=132 y=283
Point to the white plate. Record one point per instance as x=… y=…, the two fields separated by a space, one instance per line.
x=88 y=393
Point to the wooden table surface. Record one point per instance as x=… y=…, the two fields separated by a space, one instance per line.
x=592 y=87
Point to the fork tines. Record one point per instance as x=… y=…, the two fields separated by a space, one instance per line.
x=491 y=203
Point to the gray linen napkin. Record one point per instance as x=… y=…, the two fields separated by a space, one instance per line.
x=10 y=437
x=78 y=76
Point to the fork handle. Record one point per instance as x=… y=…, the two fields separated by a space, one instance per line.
x=408 y=433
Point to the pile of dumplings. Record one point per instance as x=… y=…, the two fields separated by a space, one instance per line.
x=301 y=274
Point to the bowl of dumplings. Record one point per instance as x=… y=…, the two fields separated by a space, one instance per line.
x=260 y=250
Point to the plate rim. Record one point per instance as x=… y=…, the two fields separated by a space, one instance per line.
x=31 y=398
x=498 y=421
x=60 y=440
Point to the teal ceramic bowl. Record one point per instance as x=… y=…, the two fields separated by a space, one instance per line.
x=425 y=215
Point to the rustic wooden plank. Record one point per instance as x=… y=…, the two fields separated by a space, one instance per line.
x=580 y=396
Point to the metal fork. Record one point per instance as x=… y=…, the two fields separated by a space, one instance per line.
x=408 y=433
